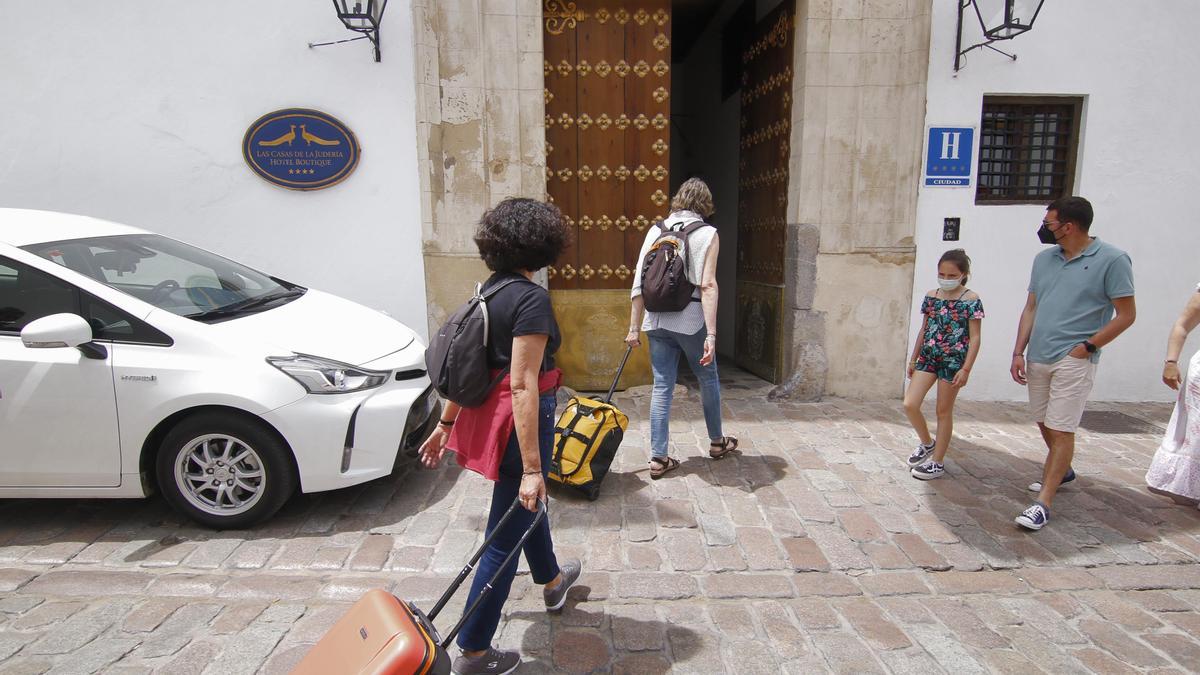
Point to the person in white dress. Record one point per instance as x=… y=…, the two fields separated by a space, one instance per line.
x=1175 y=470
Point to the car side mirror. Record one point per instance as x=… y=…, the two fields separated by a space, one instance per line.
x=62 y=330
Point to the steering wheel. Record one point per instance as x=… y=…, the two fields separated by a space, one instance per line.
x=161 y=290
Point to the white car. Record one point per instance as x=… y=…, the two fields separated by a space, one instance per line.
x=131 y=362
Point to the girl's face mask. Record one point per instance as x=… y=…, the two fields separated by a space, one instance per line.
x=948 y=285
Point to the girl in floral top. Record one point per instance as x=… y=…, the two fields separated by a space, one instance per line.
x=946 y=347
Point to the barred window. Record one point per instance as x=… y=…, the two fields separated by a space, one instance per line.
x=1027 y=149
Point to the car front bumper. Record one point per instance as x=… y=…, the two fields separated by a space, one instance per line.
x=347 y=439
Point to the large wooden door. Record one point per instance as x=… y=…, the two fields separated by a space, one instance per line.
x=762 y=193
x=608 y=83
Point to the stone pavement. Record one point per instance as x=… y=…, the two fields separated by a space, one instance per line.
x=812 y=552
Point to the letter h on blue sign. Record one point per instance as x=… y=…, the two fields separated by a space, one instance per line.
x=949 y=152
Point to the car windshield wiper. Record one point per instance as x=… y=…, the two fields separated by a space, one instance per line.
x=248 y=305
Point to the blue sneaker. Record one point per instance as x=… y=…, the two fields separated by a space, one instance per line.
x=1034 y=518
x=930 y=470
x=1036 y=486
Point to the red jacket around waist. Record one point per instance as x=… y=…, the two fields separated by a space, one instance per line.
x=480 y=435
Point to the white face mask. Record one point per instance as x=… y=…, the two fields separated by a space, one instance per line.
x=948 y=285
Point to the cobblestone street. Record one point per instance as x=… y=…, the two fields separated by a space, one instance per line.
x=813 y=551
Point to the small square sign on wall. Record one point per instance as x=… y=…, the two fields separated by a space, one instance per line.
x=948 y=160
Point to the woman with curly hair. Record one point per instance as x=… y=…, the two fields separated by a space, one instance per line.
x=515 y=426
x=691 y=332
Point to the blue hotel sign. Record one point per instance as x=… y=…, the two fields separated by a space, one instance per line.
x=300 y=149
x=948 y=160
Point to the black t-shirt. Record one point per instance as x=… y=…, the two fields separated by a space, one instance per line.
x=520 y=308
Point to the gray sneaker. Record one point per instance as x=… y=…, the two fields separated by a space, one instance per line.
x=555 y=599
x=491 y=662
x=922 y=453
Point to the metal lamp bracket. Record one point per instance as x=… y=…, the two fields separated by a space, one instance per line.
x=1007 y=30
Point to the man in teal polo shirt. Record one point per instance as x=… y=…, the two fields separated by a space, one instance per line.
x=1073 y=292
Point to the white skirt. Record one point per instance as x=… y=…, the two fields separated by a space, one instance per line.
x=1175 y=469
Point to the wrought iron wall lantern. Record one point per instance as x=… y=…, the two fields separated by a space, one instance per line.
x=1006 y=26
x=359 y=20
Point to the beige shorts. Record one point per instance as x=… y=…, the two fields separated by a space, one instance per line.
x=1058 y=391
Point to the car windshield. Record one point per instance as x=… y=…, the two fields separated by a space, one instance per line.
x=171 y=275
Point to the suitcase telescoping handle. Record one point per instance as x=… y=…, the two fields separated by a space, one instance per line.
x=466 y=571
x=613 y=388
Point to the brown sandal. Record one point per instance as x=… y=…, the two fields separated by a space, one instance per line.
x=658 y=466
x=727 y=445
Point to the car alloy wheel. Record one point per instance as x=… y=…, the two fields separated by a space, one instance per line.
x=220 y=474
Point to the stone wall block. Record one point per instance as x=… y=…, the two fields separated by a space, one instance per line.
x=503 y=137
x=810 y=170
x=458 y=28
x=881 y=69
x=885 y=35
x=842 y=127
x=529 y=74
x=803 y=245
x=847 y=9
x=886 y=9
x=533 y=128
x=839 y=173
x=424 y=26
x=820 y=9
x=845 y=36
x=533 y=181
x=530 y=8
x=462 y=105
x=845 y=69
x=501 y=7
x=809 y=365
x=529 y=34
x=500 y=61
x=816 y=36
x=882 y=102
x=460 y=68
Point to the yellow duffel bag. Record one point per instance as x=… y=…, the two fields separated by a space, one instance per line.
x=586 y=439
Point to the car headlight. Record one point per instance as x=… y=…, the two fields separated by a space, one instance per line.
x=322 y=376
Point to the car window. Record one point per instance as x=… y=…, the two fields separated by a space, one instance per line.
x=168 y=274
x=111 y=323
x=27 y=294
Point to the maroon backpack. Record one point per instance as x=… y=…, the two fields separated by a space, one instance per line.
x=665 y=286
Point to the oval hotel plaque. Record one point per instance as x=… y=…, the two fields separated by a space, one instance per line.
x=300 y=149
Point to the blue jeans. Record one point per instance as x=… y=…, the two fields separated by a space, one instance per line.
x=665 y=347
x=480 y=628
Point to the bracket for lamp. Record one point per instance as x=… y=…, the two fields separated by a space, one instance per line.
x=1008 y=28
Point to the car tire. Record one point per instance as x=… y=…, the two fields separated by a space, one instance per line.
x=225 y=471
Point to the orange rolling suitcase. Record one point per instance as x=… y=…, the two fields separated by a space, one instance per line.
x=384 y=635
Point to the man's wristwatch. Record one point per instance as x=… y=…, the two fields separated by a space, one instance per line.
x=1091 y=348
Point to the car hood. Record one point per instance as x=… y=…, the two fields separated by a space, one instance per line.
x=320 y=324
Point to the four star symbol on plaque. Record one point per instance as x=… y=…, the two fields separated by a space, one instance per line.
x=301 y=171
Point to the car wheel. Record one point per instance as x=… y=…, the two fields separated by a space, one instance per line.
x=225 y=471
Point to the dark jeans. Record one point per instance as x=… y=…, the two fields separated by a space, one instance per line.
x=478 y=631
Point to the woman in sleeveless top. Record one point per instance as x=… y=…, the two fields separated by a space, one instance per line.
x=691 y=332
x=1175 y=470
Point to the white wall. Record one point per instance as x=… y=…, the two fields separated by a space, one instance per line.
x=1135 y=64
x=135 y=112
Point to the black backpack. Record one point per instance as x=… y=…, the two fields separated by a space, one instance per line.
x=665 y=286
x=457 y=356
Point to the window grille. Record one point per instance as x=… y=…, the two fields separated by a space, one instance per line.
x=1027 y=149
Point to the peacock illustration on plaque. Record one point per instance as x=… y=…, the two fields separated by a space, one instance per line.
x=323 y=153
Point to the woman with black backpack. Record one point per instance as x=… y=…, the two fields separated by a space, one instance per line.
x=508 y=436
x=675 y=303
